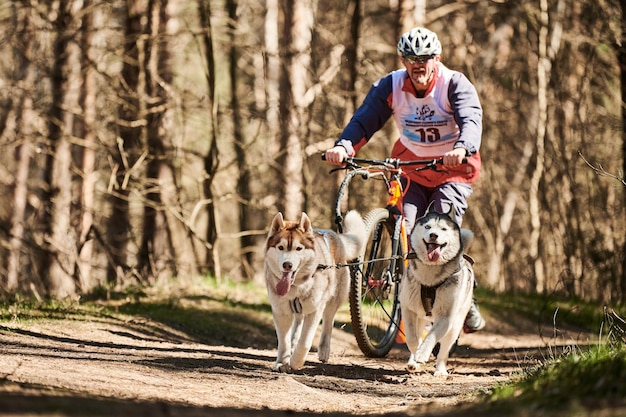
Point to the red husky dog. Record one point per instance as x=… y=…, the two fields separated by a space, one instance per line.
x=304 y=286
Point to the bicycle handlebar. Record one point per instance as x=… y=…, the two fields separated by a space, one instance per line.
x=393 y=162
x=377 y=168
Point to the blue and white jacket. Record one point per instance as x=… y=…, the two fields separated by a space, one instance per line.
x=448 y=116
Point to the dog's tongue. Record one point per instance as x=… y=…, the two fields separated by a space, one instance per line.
x=434 y=251
x=284 y=284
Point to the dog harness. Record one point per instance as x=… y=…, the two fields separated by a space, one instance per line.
x=295 y=304
x=428 y=294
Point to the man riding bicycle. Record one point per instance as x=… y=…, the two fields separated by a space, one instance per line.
x=438 y=114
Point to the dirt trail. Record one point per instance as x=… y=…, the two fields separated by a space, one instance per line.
x=112 y=366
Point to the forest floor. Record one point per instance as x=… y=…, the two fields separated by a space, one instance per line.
x=129 y=365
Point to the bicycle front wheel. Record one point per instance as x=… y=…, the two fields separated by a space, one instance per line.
x=375 y=283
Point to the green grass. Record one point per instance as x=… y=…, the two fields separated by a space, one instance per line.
x=573 y=385
x=25 y=310
x=545 y=310
x=205 y=312
x=584 y=380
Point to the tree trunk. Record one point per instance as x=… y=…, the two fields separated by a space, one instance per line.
x=353 y=59
x=622 y=66
x=156 y=252
x=88 y=161
x=60 y=258
x=412 y=14
x=24 y=117
x=211 y=161
x=244 y=193
x=167 y=248
x=128 y=156
x=274 y=74
x=543 y=69
x=496 y=241
x=297 y=31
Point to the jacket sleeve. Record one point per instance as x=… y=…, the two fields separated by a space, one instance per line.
x=468 y=113
x=369 y=118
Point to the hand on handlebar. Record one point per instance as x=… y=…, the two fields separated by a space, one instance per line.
x=454 y=158
x=336 y=155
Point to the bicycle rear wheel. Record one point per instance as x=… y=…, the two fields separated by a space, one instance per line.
x=374 y=289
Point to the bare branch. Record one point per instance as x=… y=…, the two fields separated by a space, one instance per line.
x=599 y=170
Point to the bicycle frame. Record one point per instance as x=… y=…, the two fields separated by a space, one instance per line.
x=375 y=278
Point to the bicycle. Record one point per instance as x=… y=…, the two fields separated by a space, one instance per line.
x=376 y=274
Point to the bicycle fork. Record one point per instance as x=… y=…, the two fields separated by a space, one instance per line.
x=399 y=238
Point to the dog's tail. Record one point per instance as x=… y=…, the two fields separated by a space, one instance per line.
x=354 y=235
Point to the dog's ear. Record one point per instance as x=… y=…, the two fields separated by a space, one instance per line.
x=277 y=223
x=431 y=208
x=452 y=214
x=305 y=223
x=467 y=237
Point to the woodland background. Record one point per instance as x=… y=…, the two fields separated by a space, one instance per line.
x=144 y=140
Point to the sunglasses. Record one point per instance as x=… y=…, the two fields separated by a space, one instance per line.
x=412 y=59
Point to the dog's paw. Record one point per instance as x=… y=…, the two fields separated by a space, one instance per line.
x=282 y=367
x=413 y=366
x=323 y=355
x=296 y=365
x=440 y=369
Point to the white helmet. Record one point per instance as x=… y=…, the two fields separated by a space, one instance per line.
x=419 y=41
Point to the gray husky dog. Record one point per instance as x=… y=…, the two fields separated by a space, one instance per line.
x=304 y=286
x=437 y=288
